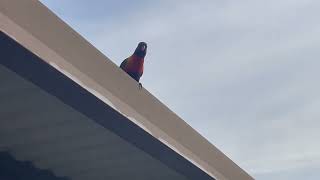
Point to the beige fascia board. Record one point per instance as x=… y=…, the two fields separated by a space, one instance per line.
x=39 y=30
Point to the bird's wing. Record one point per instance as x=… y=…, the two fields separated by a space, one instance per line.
x=123 y=64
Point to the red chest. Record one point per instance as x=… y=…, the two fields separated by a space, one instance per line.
x=135 y=64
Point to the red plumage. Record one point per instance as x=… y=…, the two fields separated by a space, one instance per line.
x=133 y=65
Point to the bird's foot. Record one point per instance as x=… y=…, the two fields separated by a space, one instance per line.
x=140 y=86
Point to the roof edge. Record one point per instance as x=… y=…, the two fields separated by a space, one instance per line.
x=39 y=30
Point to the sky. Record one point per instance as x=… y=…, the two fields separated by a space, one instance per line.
x=242 y=73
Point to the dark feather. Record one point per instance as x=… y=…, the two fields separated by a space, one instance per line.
x=123 y=64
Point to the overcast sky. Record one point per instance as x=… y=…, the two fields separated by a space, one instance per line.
x=245 y=74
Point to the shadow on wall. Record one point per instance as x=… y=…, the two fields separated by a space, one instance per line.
x=11 y=169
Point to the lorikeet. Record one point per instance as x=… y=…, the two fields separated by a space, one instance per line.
x=133 y=65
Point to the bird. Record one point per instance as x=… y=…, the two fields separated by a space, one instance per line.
x=133 y=65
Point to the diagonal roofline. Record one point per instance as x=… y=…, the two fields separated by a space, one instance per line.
x=36 y=28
